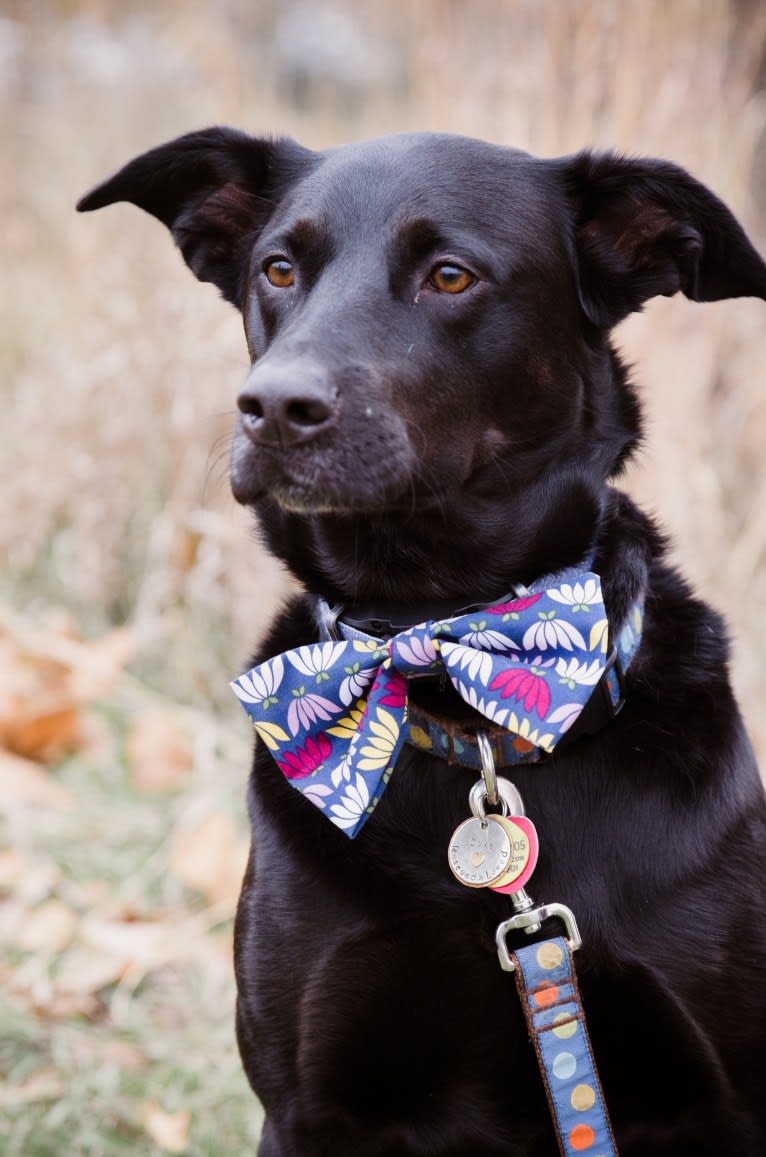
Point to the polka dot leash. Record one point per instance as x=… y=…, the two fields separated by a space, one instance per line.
x=550 y=997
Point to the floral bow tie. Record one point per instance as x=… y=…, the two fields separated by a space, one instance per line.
x=334 y=715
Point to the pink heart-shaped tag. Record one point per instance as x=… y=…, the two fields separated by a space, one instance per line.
x=530 y=832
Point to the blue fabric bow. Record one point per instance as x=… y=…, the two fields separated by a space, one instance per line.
x=334 y=715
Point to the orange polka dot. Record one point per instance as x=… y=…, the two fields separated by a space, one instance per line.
x=546 y=995
x=581 y=1137
x=522 y=745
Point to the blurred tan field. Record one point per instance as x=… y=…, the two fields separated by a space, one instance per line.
x=132 y=587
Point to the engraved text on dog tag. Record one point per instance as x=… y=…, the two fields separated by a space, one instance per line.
x=479 y=852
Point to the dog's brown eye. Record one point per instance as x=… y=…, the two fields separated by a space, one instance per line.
x=450 y=279
x=280 y=272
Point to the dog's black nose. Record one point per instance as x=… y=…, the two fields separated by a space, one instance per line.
x=286 y=406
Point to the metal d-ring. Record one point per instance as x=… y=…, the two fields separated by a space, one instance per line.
x=488 y=772
x=327 y=618
x=509 y=799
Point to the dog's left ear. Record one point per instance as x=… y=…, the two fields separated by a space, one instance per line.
x=215 y=190
x=644 y=228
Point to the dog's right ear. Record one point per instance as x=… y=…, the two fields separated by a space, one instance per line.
x=215 y=190
x=644 y=227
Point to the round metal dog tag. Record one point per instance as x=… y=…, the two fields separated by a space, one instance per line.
x=520 y=850
x=479 y=852
x=524 y=851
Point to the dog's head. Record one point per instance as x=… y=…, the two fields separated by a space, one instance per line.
x=427 y=314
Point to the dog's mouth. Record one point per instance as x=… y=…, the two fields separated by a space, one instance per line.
x=316 y=495
x=336 y=478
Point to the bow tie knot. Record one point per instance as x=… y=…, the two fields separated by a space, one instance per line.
x=334 y=715
x=415 y=651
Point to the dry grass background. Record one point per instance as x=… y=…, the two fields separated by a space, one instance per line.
x=132 y=587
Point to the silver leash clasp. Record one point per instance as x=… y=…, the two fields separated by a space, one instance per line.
x=529 y=920
x=494 y=791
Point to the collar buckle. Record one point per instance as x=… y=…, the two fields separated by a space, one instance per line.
x=606 y=702
x=612 y=683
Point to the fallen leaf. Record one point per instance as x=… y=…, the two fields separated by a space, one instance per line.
x=86 y=970
x=168 y=1130
x=46 y=1085
x=124 y=1055
x=48 y=928
x=42 y=733
x=139 y=944
x=90 y=894
x=100 y=664
x=24 y=783
x=88 y=1048
x=12 y=866
x=37 y=715
x=159 y=754
x=41 y=876
x=47 y=676
x=211 y=857
x=12 y=916
x=54 y=1005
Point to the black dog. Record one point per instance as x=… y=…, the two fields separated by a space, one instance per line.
x=433 y=416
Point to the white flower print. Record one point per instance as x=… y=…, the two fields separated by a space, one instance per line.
x=477 y=663
x=315 y=792
x=486 y=707
x=353 y=804
x=355 y=684
x=261 y=683
x=552 y=632
x=571 y=672
x=342 y=771
x=316 y=660
x=486 y=639
x=580 y=596
x=565 y=715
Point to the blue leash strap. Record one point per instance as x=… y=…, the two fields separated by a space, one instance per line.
x=550 y=998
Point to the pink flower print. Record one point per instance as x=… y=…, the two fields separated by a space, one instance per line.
x=525 y=684
x=515 y=606
x=305 y=760
x=306 y=708
x=396 y=691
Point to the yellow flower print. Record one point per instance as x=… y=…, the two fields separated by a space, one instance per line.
x=522 y=729
x=372 y=648
x=347 y=727
x=599 y=636
x=271 y=734
x=385 y=736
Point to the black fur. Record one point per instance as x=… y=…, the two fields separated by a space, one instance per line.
x=400 y=443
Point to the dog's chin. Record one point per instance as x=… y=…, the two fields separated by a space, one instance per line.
x=400 y=496
x=313 y=481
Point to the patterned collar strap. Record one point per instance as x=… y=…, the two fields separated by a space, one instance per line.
x=550 y=998
x=452 y=743
x=335 y=714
